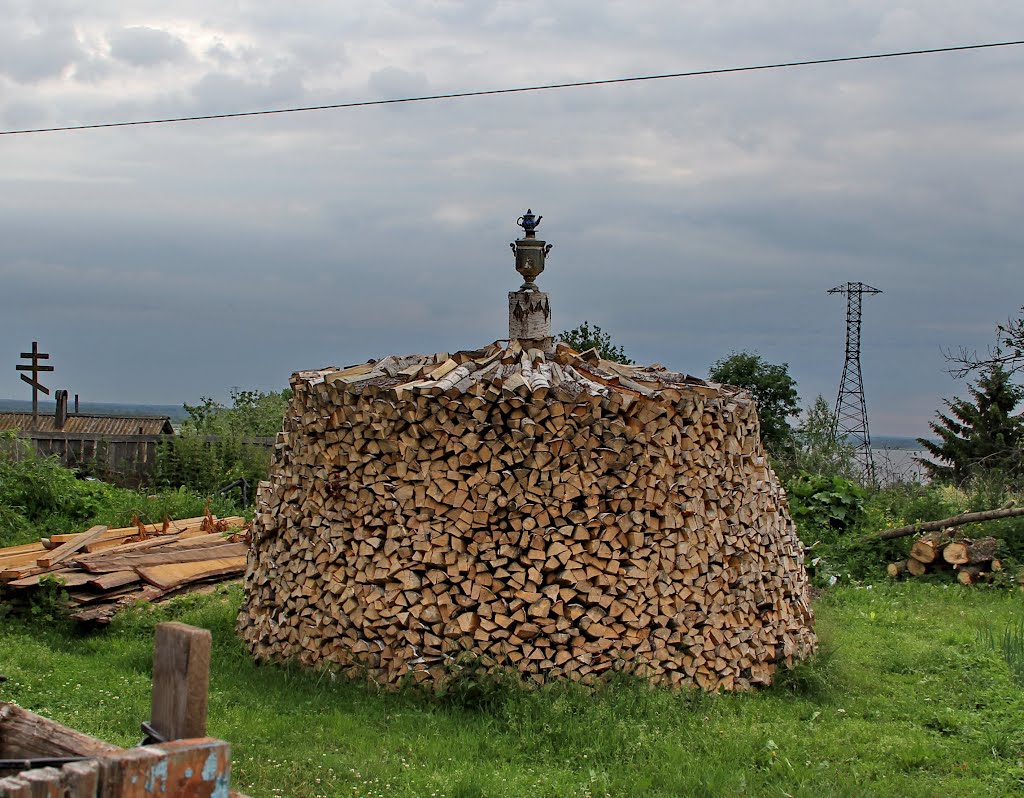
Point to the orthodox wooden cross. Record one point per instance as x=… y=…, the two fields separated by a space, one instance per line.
x=35 y=356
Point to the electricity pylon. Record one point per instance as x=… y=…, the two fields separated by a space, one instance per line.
x=851 y=421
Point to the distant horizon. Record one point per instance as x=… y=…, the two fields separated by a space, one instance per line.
x=47 y=407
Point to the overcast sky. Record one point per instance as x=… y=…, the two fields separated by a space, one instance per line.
x=691 y=218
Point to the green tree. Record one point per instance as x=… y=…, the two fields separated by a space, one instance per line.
x=211 y=448
x=979 y=437
x=251 y=414
x=816 y=449
x=773 y=389
x=586 y=337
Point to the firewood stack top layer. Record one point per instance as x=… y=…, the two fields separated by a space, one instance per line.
x=549 y=512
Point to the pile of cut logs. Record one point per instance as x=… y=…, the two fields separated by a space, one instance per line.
x=105 y=569
x=549 y=512
x=972 y=560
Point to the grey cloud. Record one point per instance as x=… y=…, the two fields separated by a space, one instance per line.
x=318 y=51
x=93 y=69
x=221 y=53
x=690 y=218
x=219 y=92
x=41 y=55
x=143 y=46
x=21 y=114
x=392 y=82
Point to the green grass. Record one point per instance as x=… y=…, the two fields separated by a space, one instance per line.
x=909 y=701
x=39 y=497
x=1010 y=644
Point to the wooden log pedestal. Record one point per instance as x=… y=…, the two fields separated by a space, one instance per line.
x=59 y=762
x=529 y=316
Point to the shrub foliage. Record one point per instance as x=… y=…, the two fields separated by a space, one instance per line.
x=214 y=445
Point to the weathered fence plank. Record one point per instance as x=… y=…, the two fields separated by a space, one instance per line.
x=181 y=678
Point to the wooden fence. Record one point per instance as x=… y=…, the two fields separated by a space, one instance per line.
x=40 y=757
x=125 y=460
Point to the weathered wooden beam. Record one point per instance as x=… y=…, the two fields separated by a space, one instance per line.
x=25 y=734
x=181 y=679
x=193 y=768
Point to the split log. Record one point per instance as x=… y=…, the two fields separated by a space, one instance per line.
x=982 y=550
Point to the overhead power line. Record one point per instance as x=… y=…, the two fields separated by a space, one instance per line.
x=517 y=89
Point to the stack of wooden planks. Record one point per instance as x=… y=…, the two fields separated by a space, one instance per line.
x=971 y=561
x=105 y=569
x=546 y=511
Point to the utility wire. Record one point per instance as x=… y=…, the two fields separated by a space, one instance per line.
x=519 y=89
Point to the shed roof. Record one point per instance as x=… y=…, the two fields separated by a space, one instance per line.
x=89 y=424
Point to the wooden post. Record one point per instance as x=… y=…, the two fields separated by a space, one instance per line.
x=15 y=787
x=181 y=679
x=529 y=316
x=44 y=782
x=82 y=779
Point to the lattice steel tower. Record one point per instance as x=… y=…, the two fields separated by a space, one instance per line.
x=851 y=421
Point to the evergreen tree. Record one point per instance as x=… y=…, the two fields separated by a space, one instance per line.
x=980 y=436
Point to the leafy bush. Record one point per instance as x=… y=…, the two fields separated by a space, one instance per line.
x=190 y=460
x=773 y=389
x=251 y=414
x=825 y=507
x=49 y=602
x=211 y=448
x=35 y=491
x=39 y=496
x=910 y=502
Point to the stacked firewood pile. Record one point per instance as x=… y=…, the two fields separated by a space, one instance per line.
x=549 y=512
x=971 y=561
x=105 y=569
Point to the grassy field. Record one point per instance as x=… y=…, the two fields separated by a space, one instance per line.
x=907 y=700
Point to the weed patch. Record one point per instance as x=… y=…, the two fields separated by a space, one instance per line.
x=1010 y=645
